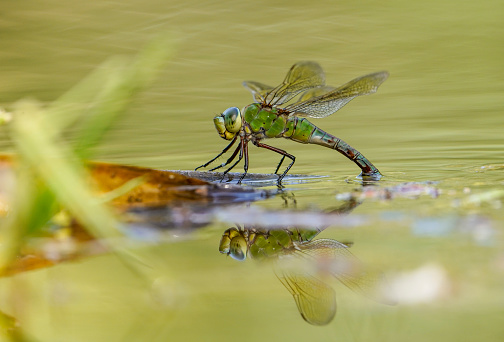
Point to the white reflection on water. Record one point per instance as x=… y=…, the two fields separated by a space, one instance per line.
x=427 y=283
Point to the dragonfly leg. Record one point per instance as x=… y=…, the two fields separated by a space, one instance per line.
x=279 y=164
x=283 y=153
x=220 y=154
x=230 y=159
x=240 y=148
x=246 y=164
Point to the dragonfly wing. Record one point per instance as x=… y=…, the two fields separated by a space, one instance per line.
x=301 y=76
x=316 y=301
x=258 y=90
x=335 y=258
x=314 y=92
x=366 y=282
x=329 y=103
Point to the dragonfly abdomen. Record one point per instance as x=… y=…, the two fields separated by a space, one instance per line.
x=303 y=131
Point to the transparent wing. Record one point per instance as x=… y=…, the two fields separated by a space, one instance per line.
x=301 y=76
x=316 y=301
x=258 y=90
x=328 y=103
x=331 y=256
x=314 y=92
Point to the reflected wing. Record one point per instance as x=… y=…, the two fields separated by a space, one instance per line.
x=301 y=76
x=329 y=103
x=316 y=301
x=331 y=256
x=258 y=90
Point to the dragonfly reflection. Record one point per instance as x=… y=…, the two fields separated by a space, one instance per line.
x=303 y=264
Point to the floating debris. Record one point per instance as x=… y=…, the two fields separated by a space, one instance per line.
x=411 y=190
x=493 y=197
x=252 y=179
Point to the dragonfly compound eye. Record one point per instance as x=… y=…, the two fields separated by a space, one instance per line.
x=238 y=248
x=232 y=119
x=221 y=128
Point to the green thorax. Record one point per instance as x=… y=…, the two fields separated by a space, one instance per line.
x=266 y=120
x=272 y=124
x=271 y=244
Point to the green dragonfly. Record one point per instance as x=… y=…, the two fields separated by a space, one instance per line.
x=302 y=264
x=272 y=117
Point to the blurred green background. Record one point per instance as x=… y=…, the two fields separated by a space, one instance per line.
x=438 y=117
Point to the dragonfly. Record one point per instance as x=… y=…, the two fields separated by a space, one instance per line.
x=277 y=114
x=302 y=265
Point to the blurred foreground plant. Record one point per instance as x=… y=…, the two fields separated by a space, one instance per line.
x=49 y=172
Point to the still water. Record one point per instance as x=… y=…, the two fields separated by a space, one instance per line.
x=436 y=121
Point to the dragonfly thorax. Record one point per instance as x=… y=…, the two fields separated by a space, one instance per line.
x=228 y=123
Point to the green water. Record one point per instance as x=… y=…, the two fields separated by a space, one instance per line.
x=438 y=118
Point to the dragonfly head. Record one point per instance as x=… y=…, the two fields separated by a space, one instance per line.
x=228 y=123
x=233 y=243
